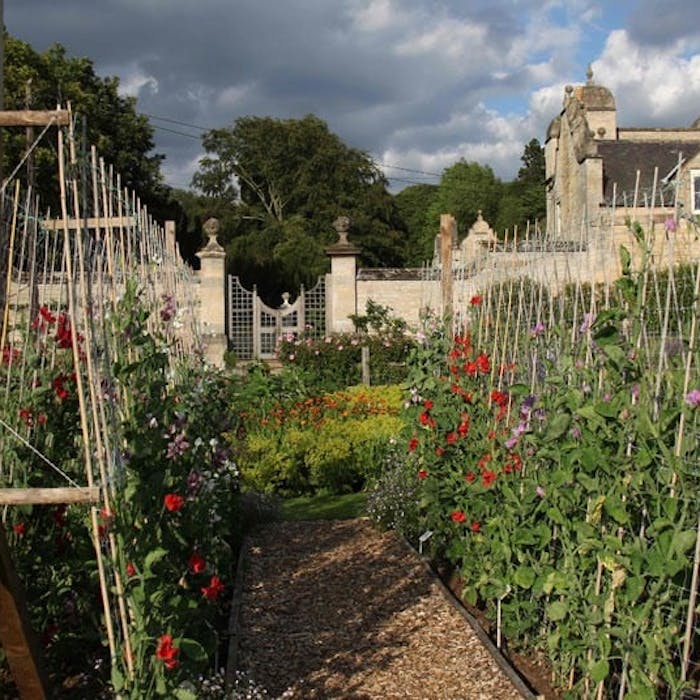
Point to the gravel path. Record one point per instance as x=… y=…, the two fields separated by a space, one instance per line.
x=336 y=609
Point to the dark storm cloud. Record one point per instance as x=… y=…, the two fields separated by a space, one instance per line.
x=663 y=22
x=418 y=81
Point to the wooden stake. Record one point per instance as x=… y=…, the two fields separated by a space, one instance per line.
x=448 y=227
x=16 y=635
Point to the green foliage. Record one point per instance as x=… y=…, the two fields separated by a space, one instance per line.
x=575 y=507
x=295 y=178
x=413 y=203
x=393 y=496
x=174 y=497
x=464 y=190
x=335 y=361
x=123 y=137
x=329 y=444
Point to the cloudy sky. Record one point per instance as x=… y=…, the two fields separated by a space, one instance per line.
x=418 y=84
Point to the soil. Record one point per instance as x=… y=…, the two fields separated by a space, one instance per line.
x=337 y=609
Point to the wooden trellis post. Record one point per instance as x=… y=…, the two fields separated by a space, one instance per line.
x=16 y=636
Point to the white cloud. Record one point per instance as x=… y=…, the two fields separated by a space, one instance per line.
x=133 y=80
x=374 y=15
x=649 y=83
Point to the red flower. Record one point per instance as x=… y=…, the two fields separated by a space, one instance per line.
x=215 y=587
x=470 y=477
x=439 y=451
x=425 y=418
x=422 y=474
x=9 y=355
x=458 y=516
x=413 y=444
x=166 y=652
x=500 y=398
x=484 y=460
x=173 y=502
x=488 y=477
x=463 y=428
x=482 y=362
x=19 y=529
x=428 y=405
x=471 y=368
x=451 y=438
x=130 y=570
x=476 y=526
x=196 y=563
x=476 y=300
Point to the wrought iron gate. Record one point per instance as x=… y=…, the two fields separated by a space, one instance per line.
x=254 y=328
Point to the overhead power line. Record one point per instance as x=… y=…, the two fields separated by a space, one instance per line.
x=170 y=120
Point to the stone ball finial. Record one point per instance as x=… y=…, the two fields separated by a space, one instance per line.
x=211 y=229
x=342 y=228
x=601 y=131
x=568 y=89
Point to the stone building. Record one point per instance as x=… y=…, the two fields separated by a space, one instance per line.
x=599 y=175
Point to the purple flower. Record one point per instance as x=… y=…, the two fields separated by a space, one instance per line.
x=540 y=492
x=586 y=323
x=692 y=398
x=169 y=308
x=178 y=446
x=576 y=432
x=537 y=329
x=635 y=392
x=671 y=225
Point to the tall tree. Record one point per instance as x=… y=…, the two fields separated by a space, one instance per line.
x=464 y=190
x=123 y=137
x=413 y=203
x=293 y=178
x=524 y=203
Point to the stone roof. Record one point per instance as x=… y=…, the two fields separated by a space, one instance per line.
x=595 y=97
x=622 y=160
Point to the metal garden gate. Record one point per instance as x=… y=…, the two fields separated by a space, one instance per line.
x=254 y=328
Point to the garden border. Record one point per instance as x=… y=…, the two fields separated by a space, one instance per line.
x=233 y=631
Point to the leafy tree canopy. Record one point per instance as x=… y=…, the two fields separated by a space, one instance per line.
x=286 y=181
x=464 y=190
x=124 y=138
x=413 y=203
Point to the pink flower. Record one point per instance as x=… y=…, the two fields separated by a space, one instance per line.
x=692 y=398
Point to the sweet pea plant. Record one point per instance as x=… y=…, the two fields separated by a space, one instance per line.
x=166 y=534
x=562 y=485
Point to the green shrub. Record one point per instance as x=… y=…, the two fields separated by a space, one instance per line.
x=332 y=443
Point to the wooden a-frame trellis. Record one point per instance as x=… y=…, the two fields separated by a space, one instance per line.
x=95 y=211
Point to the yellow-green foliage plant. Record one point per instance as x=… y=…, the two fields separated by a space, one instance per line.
x=332 y=443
